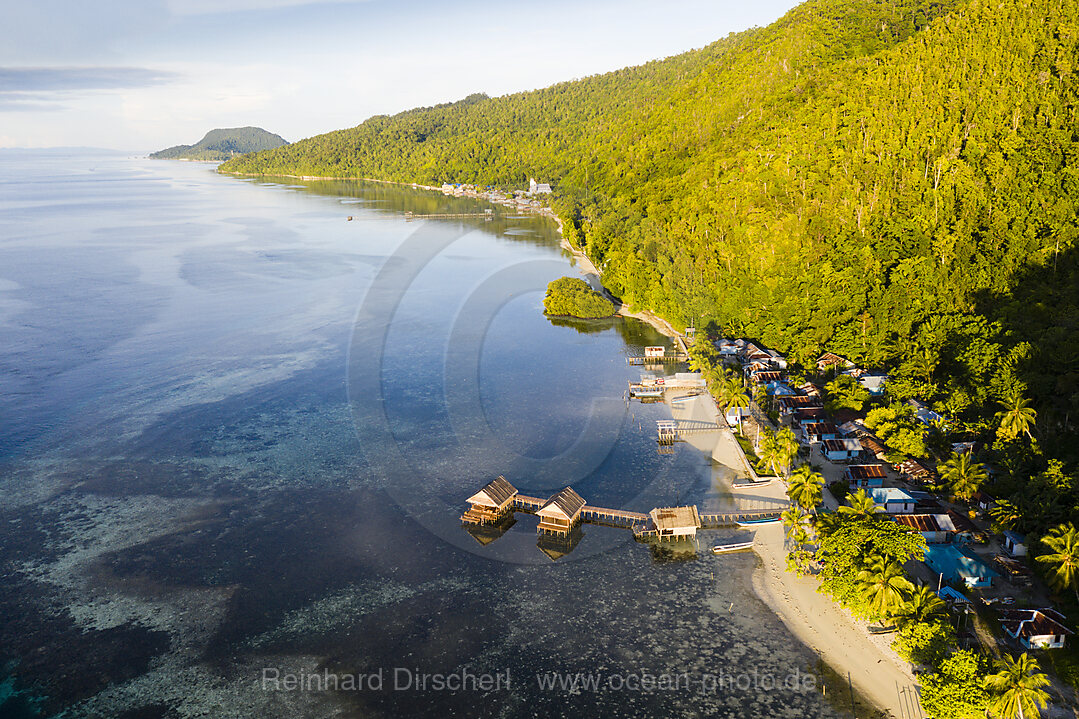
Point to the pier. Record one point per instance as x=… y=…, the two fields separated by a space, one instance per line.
x=562 y=514
x=662 y=359
x=668 y=431
x=486 y=214
x=658 y=355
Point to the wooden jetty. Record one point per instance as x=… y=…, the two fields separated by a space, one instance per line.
x=562 y=514
x=486 y=214
x=668 y=431
x=671 y=357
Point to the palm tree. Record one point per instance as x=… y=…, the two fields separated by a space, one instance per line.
x=1064 y=560
x=732 y=393
x=792 y=519
x=1006 y=514
x=1017 y=418
x=861 y=506
x=786 y=449
x=825 y=523
x=1017 y=688
x=806 y=487
x=965 y=476
x=884 y=586
x=923 y=606
x=768 y=449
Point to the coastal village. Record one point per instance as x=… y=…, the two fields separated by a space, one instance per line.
x=819 y=419
x=981 y=574
x=529 y=200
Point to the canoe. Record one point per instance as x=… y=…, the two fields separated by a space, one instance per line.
x=734 y=547
x=755 y=522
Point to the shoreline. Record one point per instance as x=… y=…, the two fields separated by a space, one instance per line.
x=591 y=271
x=813 y=618
x=876 y=672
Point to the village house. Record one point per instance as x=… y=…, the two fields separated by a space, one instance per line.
x=828 y=360
x=491 y=504
x=965 y=529
x=765 y=377
x=853 y=428
x=675 y=522
x=915 y=471
x=1014 y=543
x=1035 y=628
x=863 y=476
x=983 y=501
x=892 y=500
x=561 y=513
x=841 y=450
x=923 y=414
x=936 y=528
x=955 y=564
x=809 y=414
x=788 y=405
x=735 y=414
x=816 y=432
x=872 y=382
x=874 y=447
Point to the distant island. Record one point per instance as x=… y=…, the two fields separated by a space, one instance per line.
x=223 y=144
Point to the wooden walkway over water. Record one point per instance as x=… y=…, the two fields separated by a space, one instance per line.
x=409 y=216
x=665 y=359
x=640 y=523
x=669 y=430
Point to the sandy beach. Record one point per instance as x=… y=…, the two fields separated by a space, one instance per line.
x=876 y=672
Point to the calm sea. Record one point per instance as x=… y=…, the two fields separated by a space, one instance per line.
x=237 y=430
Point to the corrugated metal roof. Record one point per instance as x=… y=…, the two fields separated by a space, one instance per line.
x=867 y=471
x=496 y=493
x=567 y=501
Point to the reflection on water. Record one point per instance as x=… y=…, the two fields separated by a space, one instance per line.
x=187 y=502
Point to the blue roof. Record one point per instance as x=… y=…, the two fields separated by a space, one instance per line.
x=955 y=563
x=1016 y=537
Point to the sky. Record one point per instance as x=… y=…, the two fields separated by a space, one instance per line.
x=141 y=75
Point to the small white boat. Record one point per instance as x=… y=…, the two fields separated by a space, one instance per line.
x=734 y=547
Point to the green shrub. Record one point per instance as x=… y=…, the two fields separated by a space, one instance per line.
x=925 y=643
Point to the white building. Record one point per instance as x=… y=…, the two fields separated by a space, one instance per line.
x=892 y=499
x=538 y=188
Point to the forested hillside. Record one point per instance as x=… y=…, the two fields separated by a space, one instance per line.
x=223 y=143
x=897 y=182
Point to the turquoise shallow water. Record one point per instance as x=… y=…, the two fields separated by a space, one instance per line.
x=236 y=432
